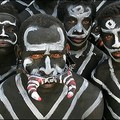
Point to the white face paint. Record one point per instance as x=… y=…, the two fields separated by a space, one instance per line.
x=47 y=65
x=27 y=62
x=38 y=47
x=112 y=28
x=79 y=12
x=48 y=69
x=3 y=34
x=110 y=24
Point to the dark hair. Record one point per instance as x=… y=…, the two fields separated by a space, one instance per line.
x=62 y=7
x=40 y=20
x=9 y=8
x=110 y=10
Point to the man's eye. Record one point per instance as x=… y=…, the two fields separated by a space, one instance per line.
x=10 y=29
x=37 y=56
x=108 y=37
x=56 y=55
x=85 y=22
x=71 y=21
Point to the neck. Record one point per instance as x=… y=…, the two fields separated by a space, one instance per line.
x=114 y=63
x=6 y=61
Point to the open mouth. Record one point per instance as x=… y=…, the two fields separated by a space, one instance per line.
x=4 y=44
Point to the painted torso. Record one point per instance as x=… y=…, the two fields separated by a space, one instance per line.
x=108 y=76
x=87 y=60
x=16 y=103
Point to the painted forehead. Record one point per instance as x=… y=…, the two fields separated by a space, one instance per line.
x=111 y=23
x=7 y=19
x=79 y=11
x=39 y=38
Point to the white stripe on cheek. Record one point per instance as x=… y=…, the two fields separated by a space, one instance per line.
x=27 y=62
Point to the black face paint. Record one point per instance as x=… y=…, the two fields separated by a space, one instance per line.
x=110 y=34
x=45 y=54
x=8 y=33
x=78 y=23
x=44 y=59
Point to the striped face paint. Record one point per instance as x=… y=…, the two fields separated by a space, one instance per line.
x=48 y=55
x=111 y=37
x=78 y=22
x=8 y=29
x=45 y=60
x=38 y=44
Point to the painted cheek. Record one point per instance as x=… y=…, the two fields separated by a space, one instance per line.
x=27 y=62
x=61 y=63
x=68 y=27
x=13 y=37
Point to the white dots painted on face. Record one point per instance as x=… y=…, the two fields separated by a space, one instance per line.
x=110 y=24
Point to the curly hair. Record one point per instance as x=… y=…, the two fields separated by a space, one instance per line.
x=38 y=20
x=110 y=10
x=9 y=8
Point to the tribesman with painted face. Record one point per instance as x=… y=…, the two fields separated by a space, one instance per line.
x=95 y=34
x=107 y=74
x=8 y=40
x=77 y=18
x=45 y=87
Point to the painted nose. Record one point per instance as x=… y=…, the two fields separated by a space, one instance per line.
x=47 y=69
x=78 y=27
x=117 y=43
x=3 y=33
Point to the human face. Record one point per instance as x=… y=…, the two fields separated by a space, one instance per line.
x=44 y=53
x=8 y=27
x=78 y=23
x=110 y=35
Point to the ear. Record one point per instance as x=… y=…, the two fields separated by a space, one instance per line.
x=67 y=47
x=18 y=53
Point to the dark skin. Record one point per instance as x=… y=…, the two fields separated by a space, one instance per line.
x=49 y=57
x=107 y=74
x=7 y=50
x=78 y=20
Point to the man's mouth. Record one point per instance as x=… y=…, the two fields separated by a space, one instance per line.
x=116 y=54
x=48 y=85
x=4 y=44
x=77 y=40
